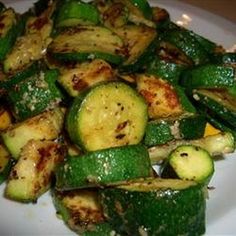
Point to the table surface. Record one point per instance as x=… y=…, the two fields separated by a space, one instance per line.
x=224 y=8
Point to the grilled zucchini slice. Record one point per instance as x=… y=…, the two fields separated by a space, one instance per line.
x=87 y=42
x=109 y=115
x=31 y=176
x=80 y=209
x=45 y=126
x=31 y=46
x=162 y=98
x=189 y=162
x=140 y=41
x=85 y=75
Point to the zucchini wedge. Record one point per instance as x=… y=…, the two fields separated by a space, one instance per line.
x=34 y=95
x=31 y=176
x=87 y=42
x=189 y=45
x=11 y=80
x=220 y=102
x=217 y=145
x=85 y=75
x=156 y=206
x=31 y=46
x=45 y=126
x=103 y=167
x=163 y=99
x=187 y=126
x=113 y=13
x=140 y=41
x=189 y=162
x=165 y=69
x=109 y=115
x=80 y=209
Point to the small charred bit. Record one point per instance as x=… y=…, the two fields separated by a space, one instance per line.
x=47 y=152
x=79 y=84
x=183 y=154
x=120 y=136
x=121 y=126
x=39 y=23
x=14 y=174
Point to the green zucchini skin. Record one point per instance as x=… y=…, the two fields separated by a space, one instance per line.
x=219 y=102
x=184 y=100
x=209 y=76
x=228 y=58
x=76 y=12
x=34 y=95
x=185 y=127
x=119 y=117
x=18 y=77
x=103 y=229
x=189 y=162
x=157 y=133
x=164 y=210
x=103 y=167
x=8 y=35
x=185 y=42
x=170 y=71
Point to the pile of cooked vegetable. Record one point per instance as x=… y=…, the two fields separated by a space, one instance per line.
x=92 y=95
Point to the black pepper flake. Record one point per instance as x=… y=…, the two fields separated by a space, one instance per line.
x=184 y=154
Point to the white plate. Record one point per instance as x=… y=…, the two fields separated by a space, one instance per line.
x=40 y=219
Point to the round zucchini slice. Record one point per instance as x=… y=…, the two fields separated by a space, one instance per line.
x=189 y=162
x=109 y=115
